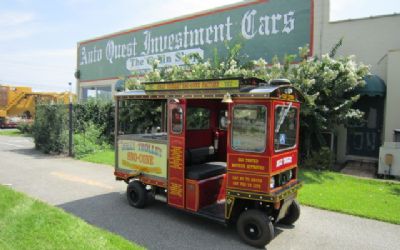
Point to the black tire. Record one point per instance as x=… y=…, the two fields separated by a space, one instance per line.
x=292 y=214
x=136 y=194
x=255 y=228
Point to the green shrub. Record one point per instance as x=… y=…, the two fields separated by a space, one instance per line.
x=319 y=160
x=139 y=116
x=25 y=127
x=93 y=124
x=98 y=112
x=89 y=141
x=50 y=128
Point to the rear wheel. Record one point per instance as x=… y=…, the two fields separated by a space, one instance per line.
x=136 y=194
x=255 y=228
x=292 y=214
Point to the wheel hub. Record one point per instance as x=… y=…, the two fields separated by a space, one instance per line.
x=252 y=231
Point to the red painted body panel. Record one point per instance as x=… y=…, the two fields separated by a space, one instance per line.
x=249 y=163
x=201 y=193
x=199 y=138
x=210 y=190
x=176 y=161
x=192 y=194
x=284 y=160
x=246 y=171
x=249 y=171
x=248 y=182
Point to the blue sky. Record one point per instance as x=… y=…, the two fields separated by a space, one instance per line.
x=38 y=38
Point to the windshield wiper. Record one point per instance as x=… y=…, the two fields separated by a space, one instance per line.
x=282 y=116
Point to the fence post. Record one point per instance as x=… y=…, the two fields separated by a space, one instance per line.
x=70 y=121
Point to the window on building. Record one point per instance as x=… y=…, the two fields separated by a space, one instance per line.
x=102 y=93
x=249 y=128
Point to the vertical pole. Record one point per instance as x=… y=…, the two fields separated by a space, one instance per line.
x=116 y=130
x=70 y=121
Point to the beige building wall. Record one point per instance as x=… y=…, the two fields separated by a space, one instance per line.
x=373 y=41
x=369 y=39
x=392 y=102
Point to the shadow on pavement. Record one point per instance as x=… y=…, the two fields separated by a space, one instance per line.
x=156 y=226
x=32 y=152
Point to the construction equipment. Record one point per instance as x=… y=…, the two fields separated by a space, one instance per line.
x=17 y=104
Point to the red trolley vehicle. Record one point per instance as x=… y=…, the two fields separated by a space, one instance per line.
x=225 y=149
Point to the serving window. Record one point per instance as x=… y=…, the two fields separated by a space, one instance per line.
x=285 y=131
x=249 y=131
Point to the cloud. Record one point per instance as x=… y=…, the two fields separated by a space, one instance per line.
x=10 y=19
x=41 y=69
x=160 y=10
x=6 y=35
x=16 y=25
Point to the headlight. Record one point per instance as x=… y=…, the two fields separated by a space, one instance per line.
x=272 y=182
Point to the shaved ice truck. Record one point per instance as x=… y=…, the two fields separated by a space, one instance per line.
x=225 y=149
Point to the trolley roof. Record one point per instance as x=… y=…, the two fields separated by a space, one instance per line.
x=216 y=89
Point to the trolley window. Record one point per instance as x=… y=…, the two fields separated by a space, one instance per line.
x=177 y=120
x=285 y=127
x=249 y=128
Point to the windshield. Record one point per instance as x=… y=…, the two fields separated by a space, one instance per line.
x=285 y=127
x=249 y=128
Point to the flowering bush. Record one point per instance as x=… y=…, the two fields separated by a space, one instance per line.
x=327 y=83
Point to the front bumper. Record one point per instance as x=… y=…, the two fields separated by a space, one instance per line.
x=271 y=197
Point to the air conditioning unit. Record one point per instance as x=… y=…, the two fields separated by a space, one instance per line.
x=389 y=159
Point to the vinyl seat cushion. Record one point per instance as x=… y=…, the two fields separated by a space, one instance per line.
x=205 y=170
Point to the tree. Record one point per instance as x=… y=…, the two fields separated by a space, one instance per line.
x=328 y=84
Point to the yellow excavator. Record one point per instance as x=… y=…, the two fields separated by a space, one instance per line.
x=17 y=104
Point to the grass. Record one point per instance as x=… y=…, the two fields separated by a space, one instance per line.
x=102 y=157
x=374 y=199
x=26 y=223
x=11 y=132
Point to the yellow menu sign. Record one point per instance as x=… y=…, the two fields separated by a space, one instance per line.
x=196 y=85
x=145 y=157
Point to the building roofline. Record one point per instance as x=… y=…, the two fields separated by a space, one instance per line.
x=365 y=18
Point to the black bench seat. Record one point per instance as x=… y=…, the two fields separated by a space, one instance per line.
x=205 y=170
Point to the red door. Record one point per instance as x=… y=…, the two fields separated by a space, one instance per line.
x=248 y=149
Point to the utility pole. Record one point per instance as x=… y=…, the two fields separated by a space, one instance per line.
x=70 y=121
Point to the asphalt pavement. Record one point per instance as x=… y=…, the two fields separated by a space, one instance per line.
x=91 y=192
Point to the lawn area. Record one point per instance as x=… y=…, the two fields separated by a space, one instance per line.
x=11 y=132
x=368 y=198
x=103 y=157
x=375 y=199
x=26 y=223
